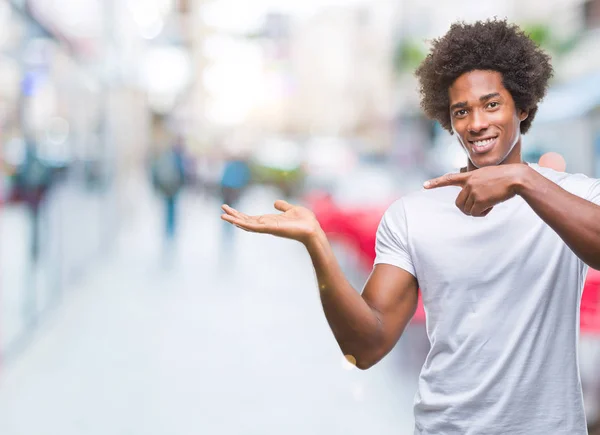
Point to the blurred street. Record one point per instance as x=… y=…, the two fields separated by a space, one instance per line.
x=127 y=306
x=67 y=249
x=206 y=342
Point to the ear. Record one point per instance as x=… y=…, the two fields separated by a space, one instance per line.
x=523 y=114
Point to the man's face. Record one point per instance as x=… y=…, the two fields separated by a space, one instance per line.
x=485 y=119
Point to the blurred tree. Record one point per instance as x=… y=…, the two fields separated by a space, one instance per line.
x=409 y=53
x=543 y=35
x=540 y=33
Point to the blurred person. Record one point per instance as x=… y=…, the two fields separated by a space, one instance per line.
x=168 y=175
x=32 y=181
x=235 y=178
x=499 y=251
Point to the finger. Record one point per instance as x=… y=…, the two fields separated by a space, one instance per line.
x=229 y=210
x=246 y=225
x=282 y=205
x=229 y=218
x=233 y=212
x=480 y=211
x=447 y=180
x=233 y=221
x=486 y=212
x=461 y=199
x=469 y=205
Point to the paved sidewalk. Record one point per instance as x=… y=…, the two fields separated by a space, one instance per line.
x=208 y=342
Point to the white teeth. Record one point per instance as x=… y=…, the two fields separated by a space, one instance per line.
x=481 y=143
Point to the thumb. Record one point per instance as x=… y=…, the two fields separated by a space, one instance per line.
x=282 y=205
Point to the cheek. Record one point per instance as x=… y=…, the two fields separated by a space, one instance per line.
x=507 y=118
x=500 y=117
x=512 y=124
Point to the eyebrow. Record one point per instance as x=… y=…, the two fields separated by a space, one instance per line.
x=483 y=98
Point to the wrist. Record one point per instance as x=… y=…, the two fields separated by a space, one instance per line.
x=315 y=238
x=522 y=179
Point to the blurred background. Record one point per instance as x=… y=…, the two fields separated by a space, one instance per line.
x=126 y=305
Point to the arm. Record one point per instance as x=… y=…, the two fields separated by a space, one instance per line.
x=575 y=220
x=365 y=326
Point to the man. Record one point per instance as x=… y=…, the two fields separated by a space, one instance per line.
x=234 y=181
x=235 y=178
x=499 y=251
x=169 y=176
x=33 y=180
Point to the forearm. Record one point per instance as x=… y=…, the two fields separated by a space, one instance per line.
x=354 y=324
x=575 y=220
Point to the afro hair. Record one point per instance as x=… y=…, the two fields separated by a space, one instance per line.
x=492 y=45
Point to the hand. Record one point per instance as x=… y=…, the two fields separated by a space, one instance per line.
x=296 y=223
x=482 y=188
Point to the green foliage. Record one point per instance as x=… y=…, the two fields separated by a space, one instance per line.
x=540 y=33
x=543 y=35
x=409 y=54
x=410 y=51
x=287 y=180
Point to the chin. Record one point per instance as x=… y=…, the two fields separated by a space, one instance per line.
x=483 y=161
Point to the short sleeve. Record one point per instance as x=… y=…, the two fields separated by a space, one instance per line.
x=391 y=245
x=594 y=192
x=585 y=187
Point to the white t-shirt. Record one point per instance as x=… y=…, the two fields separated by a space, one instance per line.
x=502 y=296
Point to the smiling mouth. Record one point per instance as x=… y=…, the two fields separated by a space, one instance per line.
x=483 y=145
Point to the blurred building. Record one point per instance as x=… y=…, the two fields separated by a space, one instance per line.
x=278 y=71
x=343 y=83
x=75 y=91
x=569 y=119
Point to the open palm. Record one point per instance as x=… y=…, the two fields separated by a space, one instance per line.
x=296 y=222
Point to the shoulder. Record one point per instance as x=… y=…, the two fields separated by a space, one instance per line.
x=578 y=184
x=555 y=176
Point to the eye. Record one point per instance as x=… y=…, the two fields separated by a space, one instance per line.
x=460 y=113
x=493 y=104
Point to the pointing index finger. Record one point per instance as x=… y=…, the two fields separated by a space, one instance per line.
x=447 y=180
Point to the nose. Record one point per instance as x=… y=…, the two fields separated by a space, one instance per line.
x=477 y=122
